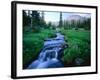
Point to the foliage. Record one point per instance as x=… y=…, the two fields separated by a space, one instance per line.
x=78 y=41
x=36 y=30
x=60 y=21
x=79 y=46
x=33 y=22
x=26 y=19
x=33 y=43
x=85 y=24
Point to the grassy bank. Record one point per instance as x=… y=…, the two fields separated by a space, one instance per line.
x=79 y=47
x=33 y=43
x=78 y=41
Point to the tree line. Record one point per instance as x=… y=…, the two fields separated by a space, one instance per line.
x=34 y=21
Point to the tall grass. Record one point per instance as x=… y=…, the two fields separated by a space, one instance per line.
x=78 y=41
x=79 y=47
x=33 y=43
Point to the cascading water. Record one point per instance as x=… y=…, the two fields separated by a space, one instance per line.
x=51 y=54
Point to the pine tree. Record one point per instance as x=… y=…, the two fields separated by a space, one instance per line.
x=60 y=21
x=35 y=21
x=26 y=19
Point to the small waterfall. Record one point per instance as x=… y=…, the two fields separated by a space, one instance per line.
x=48 y=54
x=56 y=55
x=48 y=57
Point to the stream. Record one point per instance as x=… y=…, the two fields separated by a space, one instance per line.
x=51 y=53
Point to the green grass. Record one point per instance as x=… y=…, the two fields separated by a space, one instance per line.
x=79 y=46
x=33 y=43
x=78 y=41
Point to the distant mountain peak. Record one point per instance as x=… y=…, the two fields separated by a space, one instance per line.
x=74 y=17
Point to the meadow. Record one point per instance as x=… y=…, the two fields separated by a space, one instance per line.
x=78 y=46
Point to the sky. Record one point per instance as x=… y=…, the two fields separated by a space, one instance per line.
x=54 y=16
x=51 y=16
